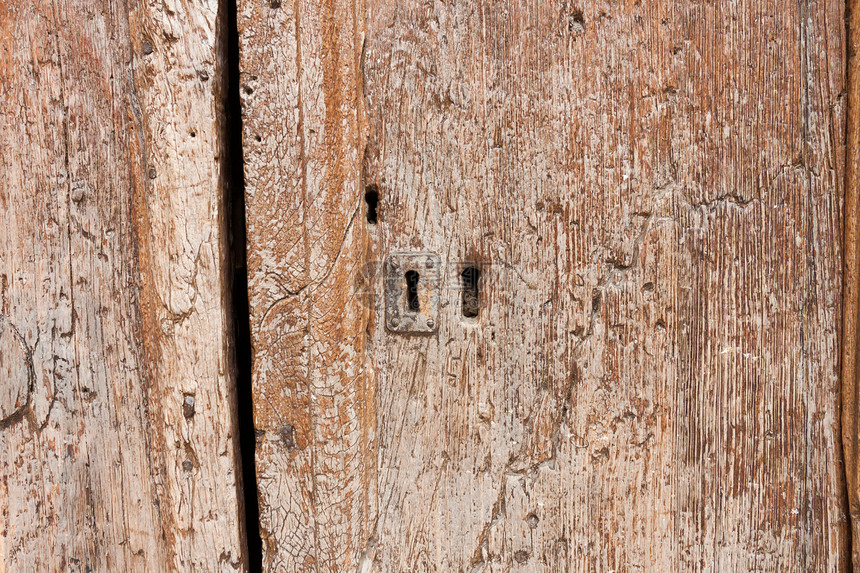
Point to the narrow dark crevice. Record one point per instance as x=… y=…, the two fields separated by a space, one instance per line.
x=240 y=310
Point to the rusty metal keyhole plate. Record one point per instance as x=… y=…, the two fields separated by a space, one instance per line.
x=412 y=284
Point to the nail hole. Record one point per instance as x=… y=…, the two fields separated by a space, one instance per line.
x=522 y=556
x=288 y=436
x=412 y=291
x=471 y=294
x=576 y=21
x=596 y=299
x=371 y=197
x=188 y=408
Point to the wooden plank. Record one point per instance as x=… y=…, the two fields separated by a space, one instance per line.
x=652 y=194
x=118 y=440
x=851 y=288
x=654 y=190
x=313 y=399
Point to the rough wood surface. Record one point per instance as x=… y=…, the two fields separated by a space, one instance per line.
x=116 y=410
x=851 y=282
x=313 y=396
x=653 y=193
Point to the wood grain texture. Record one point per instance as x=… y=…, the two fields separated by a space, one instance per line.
x=313 y=389
x=851 y=284
x=118 y=439
x=653 y=193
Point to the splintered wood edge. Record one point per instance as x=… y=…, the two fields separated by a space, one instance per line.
x=851 y=278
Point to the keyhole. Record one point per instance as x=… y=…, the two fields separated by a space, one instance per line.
x=471 y=294
x=371 y=197
x=412 y=291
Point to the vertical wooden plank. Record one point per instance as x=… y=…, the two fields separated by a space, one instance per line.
x=653 y=194
x=313 y=392
x=117 y=411
x=851 y=282
x=180 y=81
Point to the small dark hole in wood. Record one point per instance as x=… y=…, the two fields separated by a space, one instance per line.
x=596 y=299
x=471 y=293
x=371 y=197
x=288 y=436
x=188 y=406
x=576 y=21
x=522 y=556
x=412 y=291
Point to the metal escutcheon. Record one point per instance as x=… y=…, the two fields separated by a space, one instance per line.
x=412 y=285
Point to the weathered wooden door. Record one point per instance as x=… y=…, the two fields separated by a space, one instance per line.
x=528 y=286
x=651 y=192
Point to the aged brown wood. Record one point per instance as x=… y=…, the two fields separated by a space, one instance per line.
x=653 y=195
x=117 y=414
x=851 y=289
x=307 y=239
x=653 y=382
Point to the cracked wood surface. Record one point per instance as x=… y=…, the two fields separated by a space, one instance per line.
x=117 y=421
x=313 y=394
x=653 y=194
